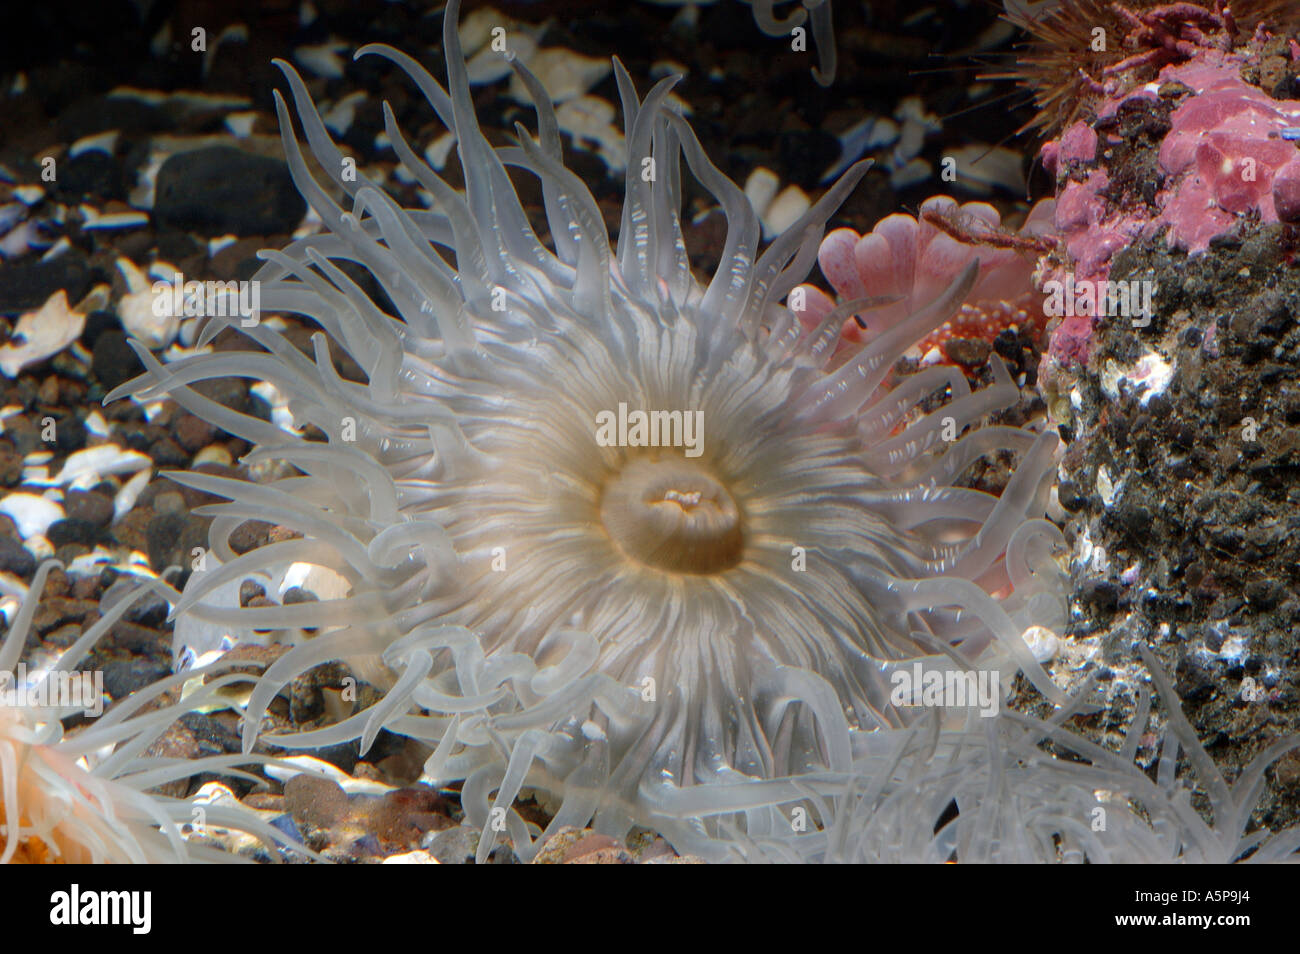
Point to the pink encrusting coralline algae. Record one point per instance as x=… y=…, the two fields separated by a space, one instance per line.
x=906 y=261
x=1224 y=160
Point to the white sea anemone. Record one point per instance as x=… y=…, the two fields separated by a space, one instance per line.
x=627 y=629
x=83 y=797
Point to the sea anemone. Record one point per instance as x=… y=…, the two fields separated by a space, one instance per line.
x=83 y=797
x=638 y=543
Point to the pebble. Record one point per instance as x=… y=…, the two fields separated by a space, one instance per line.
x=29 y=285
x=574 y=846
x=91 y=507
x=113 y=362
x=315 y=802
x=32 y=515
x=15 y=558
x=223 y=190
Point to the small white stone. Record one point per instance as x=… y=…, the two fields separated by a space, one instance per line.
x=339 y=118
x=590 y=119
x=95 y=424
x=213 y=454
x=241 y=124
x=32 y=515
x=417 y=857
x=130 y=492
x=39 y=547
x=29 y=194
x=104 y=142
x=322 y=59
x=87 y=467
x=1042 y=642
x=785 y=210
x=761 y=188
x=437 y=152
x=563 y=73
x=116 y=220
x=1105 y=487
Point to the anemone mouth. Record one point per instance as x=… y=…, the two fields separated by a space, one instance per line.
x=675 y=515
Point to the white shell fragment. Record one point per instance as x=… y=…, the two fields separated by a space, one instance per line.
x=87 y=467
x=322 y=59
x=44 y=332
x=137 y=310
x=777 y=211
x=590 y=120
x=564 y=74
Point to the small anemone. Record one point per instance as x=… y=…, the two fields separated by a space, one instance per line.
x=634 y=626
x=83 y=796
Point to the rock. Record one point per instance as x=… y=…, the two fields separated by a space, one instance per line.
x=222 y=190
x=90 y=174
x=453 y=846
x=171 y=537
x=60 y=611
x=113 y=362
x=404 y=815
x=249 y=535
x=63 y=532
x=315 y=802
x=16 y=559
x=193 y=433
x=968 y=352
x=123 y=678
x=29 y=285
x=574 y=846
x=89 y=506
x=11 y=465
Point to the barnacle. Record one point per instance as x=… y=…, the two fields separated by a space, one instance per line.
x=83 y=797
x=650 y=632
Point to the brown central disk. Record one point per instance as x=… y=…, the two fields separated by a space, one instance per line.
x=673 y=514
